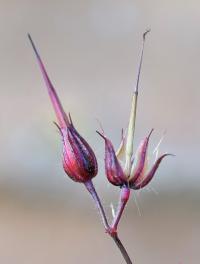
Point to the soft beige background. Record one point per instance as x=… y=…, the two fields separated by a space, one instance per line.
x=91 y=50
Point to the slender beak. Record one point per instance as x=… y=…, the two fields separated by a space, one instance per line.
x=62 y=118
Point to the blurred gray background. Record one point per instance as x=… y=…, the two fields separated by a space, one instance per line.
x=91 y=51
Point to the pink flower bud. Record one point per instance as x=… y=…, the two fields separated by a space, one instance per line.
x=79 y=160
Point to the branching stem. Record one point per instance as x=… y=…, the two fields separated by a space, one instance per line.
x=110 y=230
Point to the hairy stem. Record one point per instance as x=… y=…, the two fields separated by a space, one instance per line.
x=109 y=230
x=123 y=199
x=90 y=187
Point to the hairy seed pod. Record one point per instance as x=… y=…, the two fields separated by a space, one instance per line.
x=79 y=160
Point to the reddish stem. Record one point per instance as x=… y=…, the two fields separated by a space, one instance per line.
x=60 y=113
x=123 y=199
x=109 y=230
x=90 y=187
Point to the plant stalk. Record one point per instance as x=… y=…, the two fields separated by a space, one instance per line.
x=90 y=187
x=109 y=230
x=123 y=199
x=122 y=249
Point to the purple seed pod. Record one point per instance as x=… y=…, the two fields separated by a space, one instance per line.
x=139 y=177
x=79 y=160
x=133 y=172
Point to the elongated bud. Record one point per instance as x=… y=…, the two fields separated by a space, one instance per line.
x=79 y=160
x=113 y=168
x=132 y=119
